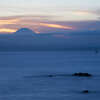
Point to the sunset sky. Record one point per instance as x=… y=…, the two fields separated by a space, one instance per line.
x=45 y=16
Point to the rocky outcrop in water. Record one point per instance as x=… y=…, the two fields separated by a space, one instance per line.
x=82 y=74
x=85 y=91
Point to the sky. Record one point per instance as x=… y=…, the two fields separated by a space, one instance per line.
x=45 y=16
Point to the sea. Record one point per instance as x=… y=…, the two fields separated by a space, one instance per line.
x=47 y=75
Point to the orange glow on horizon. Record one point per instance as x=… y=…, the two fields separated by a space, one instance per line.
x=5 y=30
x=10 y=21
x=36 y=31
x=11 y=25
x=56 y=26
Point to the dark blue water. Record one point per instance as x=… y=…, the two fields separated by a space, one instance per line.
x=24 y=75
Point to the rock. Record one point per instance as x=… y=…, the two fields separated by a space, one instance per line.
x=82 y=74
x=85 y=91
x=50 y=75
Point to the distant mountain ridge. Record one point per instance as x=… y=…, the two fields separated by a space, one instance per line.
x=25 y=39
x=25 y=31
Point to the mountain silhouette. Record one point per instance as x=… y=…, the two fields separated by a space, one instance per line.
x=27 y=40
x=25 y=32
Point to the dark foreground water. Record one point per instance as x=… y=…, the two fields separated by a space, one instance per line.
x=24 y=75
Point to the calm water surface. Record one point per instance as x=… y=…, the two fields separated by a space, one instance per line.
x=24 y=75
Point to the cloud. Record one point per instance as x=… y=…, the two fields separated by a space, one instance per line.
x=36 y=23
x=93 y=14
x=56 y=26
x=5 y=30
x=81 y=13
x=42 y=24
x=9 y=21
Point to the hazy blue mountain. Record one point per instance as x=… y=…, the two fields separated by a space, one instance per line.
x=27 y=40
x=25 y=32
